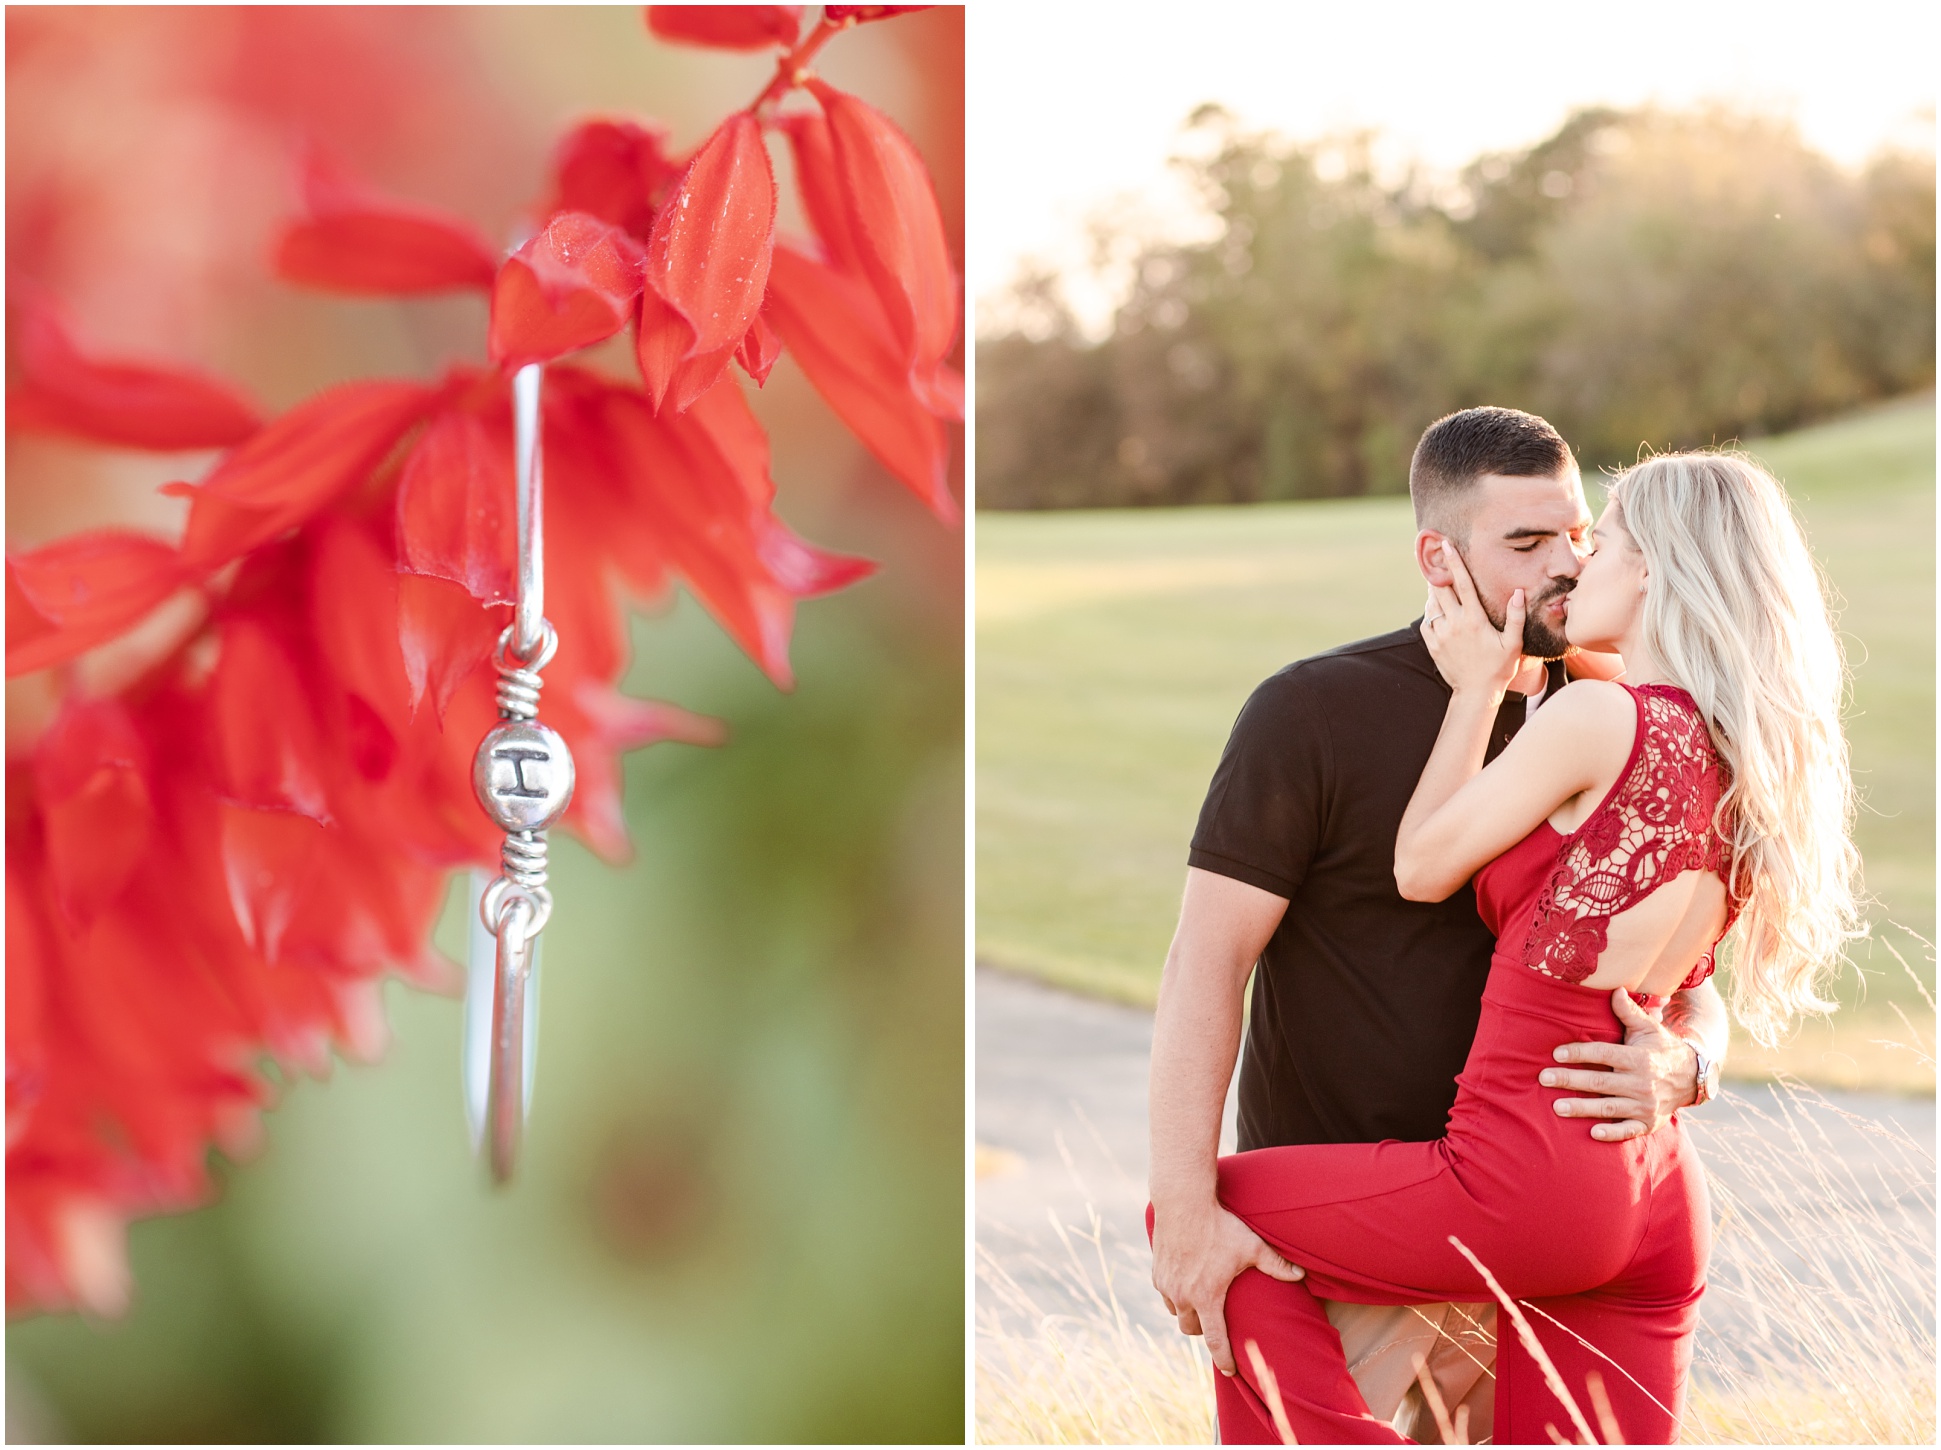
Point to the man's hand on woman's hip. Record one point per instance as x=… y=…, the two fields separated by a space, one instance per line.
x=1195 y=1256
x=1634 y=1085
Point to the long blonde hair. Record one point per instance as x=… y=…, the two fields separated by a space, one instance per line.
x=1737 y=614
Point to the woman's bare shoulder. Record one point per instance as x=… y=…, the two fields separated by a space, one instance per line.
x=1597 y=718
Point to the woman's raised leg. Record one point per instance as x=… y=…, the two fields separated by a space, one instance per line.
x=1297 y=1343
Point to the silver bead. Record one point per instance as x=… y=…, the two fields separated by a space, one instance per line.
x=523 y=776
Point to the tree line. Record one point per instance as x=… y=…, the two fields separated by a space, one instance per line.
x=1643 y=279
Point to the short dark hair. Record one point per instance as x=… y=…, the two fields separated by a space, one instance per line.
x=1457 y=450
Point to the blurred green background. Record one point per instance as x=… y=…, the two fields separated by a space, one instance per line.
x=739 y=1213
x=1115 y=648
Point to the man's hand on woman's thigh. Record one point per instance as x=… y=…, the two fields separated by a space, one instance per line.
x=1195 y=1256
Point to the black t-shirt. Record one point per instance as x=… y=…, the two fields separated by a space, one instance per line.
x=1364 y=1005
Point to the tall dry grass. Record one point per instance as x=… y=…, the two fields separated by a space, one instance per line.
x=1095 y=1378
x=1818 y=1324
x=1824 y=1272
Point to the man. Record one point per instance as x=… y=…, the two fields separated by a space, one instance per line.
x=1364 y=1005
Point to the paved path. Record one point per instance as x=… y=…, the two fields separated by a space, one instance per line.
x=1061 y=1101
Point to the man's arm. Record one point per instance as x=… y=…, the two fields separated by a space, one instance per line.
x=1199 y=1248
x=1652 y=1073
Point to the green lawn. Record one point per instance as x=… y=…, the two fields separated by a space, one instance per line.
x=1115 y=647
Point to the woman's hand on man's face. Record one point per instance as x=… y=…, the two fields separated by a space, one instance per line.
x=1472 y=654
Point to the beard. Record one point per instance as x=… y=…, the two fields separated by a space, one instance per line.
x=1540 y=641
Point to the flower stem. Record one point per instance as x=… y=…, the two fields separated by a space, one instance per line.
x=791 y=68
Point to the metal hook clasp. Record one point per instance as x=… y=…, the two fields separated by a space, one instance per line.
x=502 y=892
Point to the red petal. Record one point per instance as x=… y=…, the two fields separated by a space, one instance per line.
x=82 y=591
x=696 y=377
x=373 y=747
x=27 y=971
x=356 y=920
x=295 y=466
x=569 y=287
x=266 y=741
x=91 y=766
x=430 y=970
x=268 y=858
x=132 y=405
x=727 y=27
x=358 y=241
x=28 y=630
x=699 y=510
x=820 y=185
x=832 y=327
x=354 y=619
x=869 y=12
x=588 y=529
x=708 y=256
x=617 y=723
x=624 y=723
x=455 y=508
x=444 y=635
x=898 y=230
x=803 y=569
x=942 y=392
x=737 y=443
x=661 y=340
x=758 y=350
x=614 y=170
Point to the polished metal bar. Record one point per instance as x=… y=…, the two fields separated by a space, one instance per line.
x=505 y=1094
x=528 y=631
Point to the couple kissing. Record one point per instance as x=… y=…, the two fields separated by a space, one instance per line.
x=1478 y=870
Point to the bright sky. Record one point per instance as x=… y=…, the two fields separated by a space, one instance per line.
x=1074 y=107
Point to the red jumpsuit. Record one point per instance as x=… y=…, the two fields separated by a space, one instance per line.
x=1604 y=1245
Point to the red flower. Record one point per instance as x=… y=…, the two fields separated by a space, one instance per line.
x=615 y=170
x=355 y=241
x=307 y=458
x=863 y=320
x=134 y=405
x=895 y=234
x=83 y=591
x=727 y=27
x=224 y=858
x=831 y=326
x=868 y=12
x=569 y=287
x=707 y=265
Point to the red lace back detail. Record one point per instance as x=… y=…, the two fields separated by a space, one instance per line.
x=1654 y=826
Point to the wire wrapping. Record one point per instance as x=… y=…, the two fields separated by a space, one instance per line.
x=518 y=694
x=523 y=859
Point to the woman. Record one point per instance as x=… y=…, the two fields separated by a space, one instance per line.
x=1623 y=832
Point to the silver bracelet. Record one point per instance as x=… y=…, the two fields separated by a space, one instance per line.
x=523 y=778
